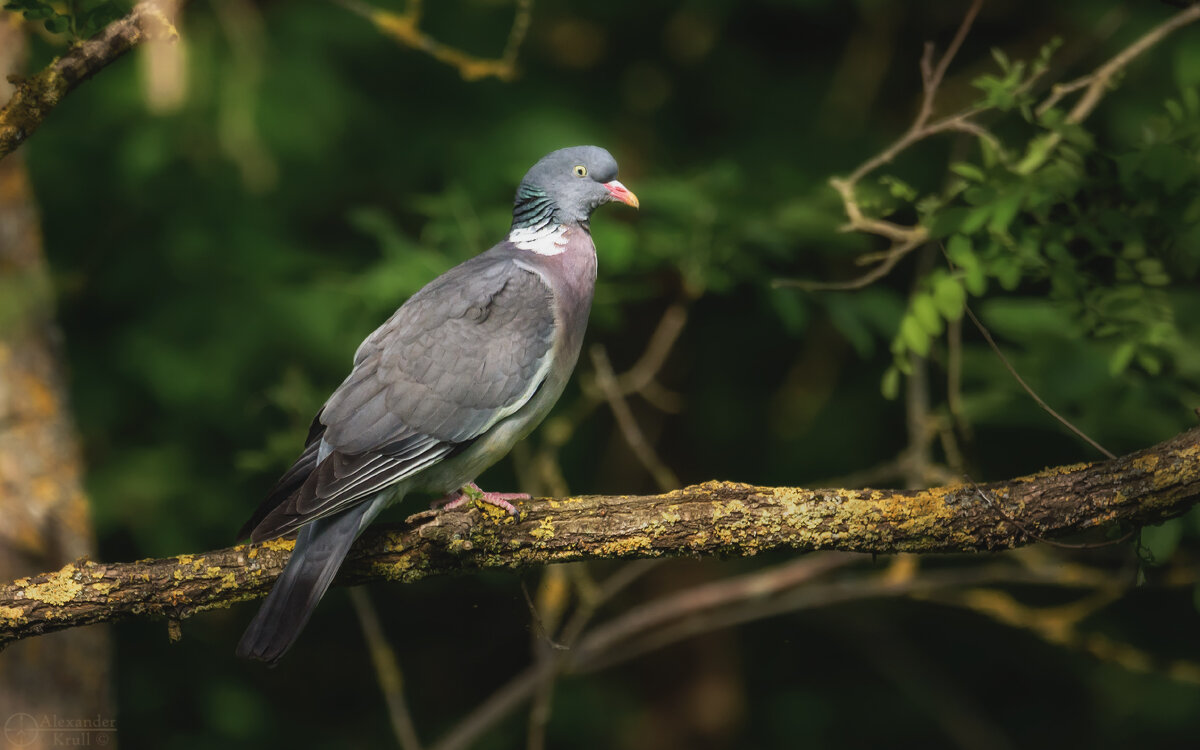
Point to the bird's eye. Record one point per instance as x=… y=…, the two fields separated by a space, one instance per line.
x=580 y=170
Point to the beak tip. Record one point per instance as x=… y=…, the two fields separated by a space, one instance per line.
x=621 y=193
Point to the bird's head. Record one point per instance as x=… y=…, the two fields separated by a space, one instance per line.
x=567 y=185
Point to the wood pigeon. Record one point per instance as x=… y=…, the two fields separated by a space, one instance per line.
x=464 y=369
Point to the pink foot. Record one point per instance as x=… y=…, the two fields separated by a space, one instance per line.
x=471 y=491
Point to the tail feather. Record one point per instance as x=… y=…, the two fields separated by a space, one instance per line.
x=321 y=547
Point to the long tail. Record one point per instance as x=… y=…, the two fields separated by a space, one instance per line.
x=321 y=546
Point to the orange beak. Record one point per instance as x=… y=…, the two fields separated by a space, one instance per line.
x=621 y=193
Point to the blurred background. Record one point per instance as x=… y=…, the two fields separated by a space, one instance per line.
x=225 y=219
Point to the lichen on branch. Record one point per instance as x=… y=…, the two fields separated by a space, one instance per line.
x=714 y=518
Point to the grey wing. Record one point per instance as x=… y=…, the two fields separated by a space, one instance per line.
x=462 y=354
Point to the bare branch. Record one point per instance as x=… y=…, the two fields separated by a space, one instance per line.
x=537 y=677
x=792 y=587
x=1096 y=84
x=39 y=94
x=634 y=437
x=405 y=28
x=387 y=670
x=1099 y=79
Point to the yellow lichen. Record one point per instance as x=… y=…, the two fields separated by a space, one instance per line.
x=1145 y=463
x=60 y=589
x=10 y=615
x=625 y=546
x=545 y=529
x=280 y=544
x=671 y=514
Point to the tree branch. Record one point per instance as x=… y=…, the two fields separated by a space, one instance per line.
x=714 y=518
x=405 y=28
x=904 y=239
x=39 y=94
x=1099 y=79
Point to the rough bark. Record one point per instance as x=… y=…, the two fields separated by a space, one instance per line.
x=714 y=518
x=36 y=96
x=45 y=514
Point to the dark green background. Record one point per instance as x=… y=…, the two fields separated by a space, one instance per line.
x=212 y=294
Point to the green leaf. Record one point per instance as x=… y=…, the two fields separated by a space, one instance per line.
x=1174 y=109
x=1134 y=249
x=967 y=170
x=975 y=280
x=889 y=386
x=914 y=336
x=1149 y=362
x=976 y=218
x=1004 y=211
x=1007 y=271
x=898 y=188
x=948 y=222
x=950 y=298
x=1191 y=101
x=927 y=315
x=57 y=24
x=1000 y=58
x=1120 y=359
x=958 y=248
x=1038 y=151
x=1149 y=267
x=990 y=152
x=1162 y=540
x=38 y=11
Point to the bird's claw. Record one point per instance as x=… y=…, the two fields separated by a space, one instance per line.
x=471 y=491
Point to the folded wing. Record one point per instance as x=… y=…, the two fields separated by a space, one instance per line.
x=461 y=355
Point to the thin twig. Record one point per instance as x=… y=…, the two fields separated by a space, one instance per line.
x=405 y=28
x=1097 y=81
x=640 y=379
x=954 y=364
x=387 y=669
x=931 y=82
x=1060 y=625
x=987 y=336
x=1096 y=84
x=660 y=612
x=894 y=255
x=508 y=698
x=634 y=437
x=904 y=239
x=658 y=348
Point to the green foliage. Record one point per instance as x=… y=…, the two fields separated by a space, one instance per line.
x=79 y=19
x=1106 y=231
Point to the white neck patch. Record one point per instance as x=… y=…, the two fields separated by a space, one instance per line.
x=549 y=240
